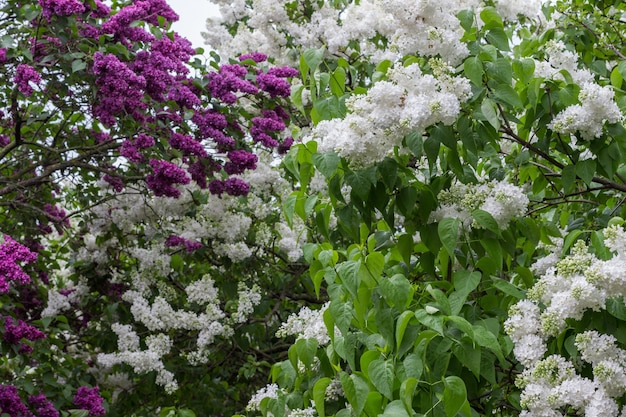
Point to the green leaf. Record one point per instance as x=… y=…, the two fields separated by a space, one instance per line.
x=356 y=390
x=586 y=170
x=397 y=290
x=508 y=288
x=407 y=391
x=185 y=412
x=338 y=82
x=507 y=95
x=568 y=178
x=432 y=321
x=462 y=324
x=401 y=323
x=78 y=65
x=448 y=230
x=413 y=366
x=498 y=38
x=306 y=350
x=491 y=18
x=310 y=60
x=349 y=273
x=319 y=395
x=488 y=340
x=490 y=111
x=485 y=220
x=373 y=405
x=454 y=395
x=326 y=163
x=395 y=409
x=473 y=69
x=524 y=69
x=415 y=143
x=381 y=375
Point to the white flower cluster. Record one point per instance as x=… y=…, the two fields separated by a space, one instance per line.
x=142 y=361
x=427 y=27
x=307 y=324
x=597 y=107
x=560 y=58
x=248 y=299
x=269 y=391
x=378 y=121
x=576 y=283
x=510 y=9
x=502 y=200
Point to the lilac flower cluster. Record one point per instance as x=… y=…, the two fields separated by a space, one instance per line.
x=211 y=125
x=119 y=88
x=41 y=47
x=4 y=140
x=42 y=406
x=229 y=80
x=58 y=217
x=98 y=10
x=115 y=182
x=14 y=333
x=272 y=121
x=273 y=82
x=190 y=246
x=199 y=170
x=89 y=399
x=121 y=25
x=3 y=55
x=130 y=148
x=255 y=56
x=231 y=186
x=11 y=404
x=240 y=160
x=23 y=76
x=61 y=7
x=165 y=175
x=188 y=145
x=12 y=252
x=160 y=67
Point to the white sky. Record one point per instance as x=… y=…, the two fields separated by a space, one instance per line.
x=193 y=14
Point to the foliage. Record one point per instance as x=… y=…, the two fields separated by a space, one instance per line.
x=443 y=238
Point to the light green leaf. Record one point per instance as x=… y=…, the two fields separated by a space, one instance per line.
x=381 y=375
x=490 y=111
x=454 y=395
x=448 y=230
x=356 y=390
x=319 y=395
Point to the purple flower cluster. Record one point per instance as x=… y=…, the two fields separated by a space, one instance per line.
x=165 y=175
x=240 y=160
x=89 y=399
x=202 y=168
x=13 y=334
x=163 y=67
x=12 y=252
x=284 y=147
x=211 y=124
x=273 y=82
x=3 y=55
x=263 y=126
x=121 y=25
x=100 y=10
x=61 y=7
x=119 y=88
x=43 y=407
x=11 y=404
x=255 y=56
x=58 y=216
x=187 y=144
x=115 y=182
x=229 y=80
x=130 y=148
x=4 y=140
x=23 y=76
x=190 y=246
x=231 y=186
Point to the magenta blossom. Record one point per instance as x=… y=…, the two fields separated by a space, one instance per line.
x=43 y=407
x=11 y=253
x=23 y=76
x=11 y=404
x=61 y=7
x=89 y=399
x=190 y=245
x=165 y=175
x=14 y=333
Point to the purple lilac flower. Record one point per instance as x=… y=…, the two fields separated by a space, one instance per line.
x=115 y=182
x=119 y=88
x=262 y=126
x=4 y=140
x=284 y=147
x=188 y=145
x=230 y=79
x=40 y=47
x=240 y=160
x=11 y=403
x=13 y=334
x=130 y=152
x=23 y=76
x=141 y=11
x=100 y=11
x=89 y=399
x=231 y=186
x=102 y=137
x=61 y=7
x=190 y=245
x=3 y=55
x=274 y=85
x=43 y=407
x=255 y=56
x=12 y=252
x=211 y=125
x=165 y=175
x=57 y=215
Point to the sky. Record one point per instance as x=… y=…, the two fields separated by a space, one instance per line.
x=193 y=14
